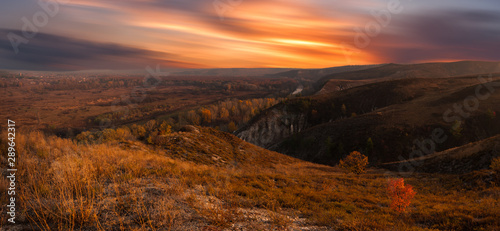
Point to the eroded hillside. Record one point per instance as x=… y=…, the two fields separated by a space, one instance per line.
x=392 y=114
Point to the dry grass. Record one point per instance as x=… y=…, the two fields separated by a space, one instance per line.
x=133 y=186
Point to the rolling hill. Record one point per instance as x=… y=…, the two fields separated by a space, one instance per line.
x=392 y=113
x=459 y=160
x=315 y=74
x=237 y=72
x=422 y=70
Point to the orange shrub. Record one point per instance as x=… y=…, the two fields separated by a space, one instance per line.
x=400 y=194
x=232 y=127
x=355 y=162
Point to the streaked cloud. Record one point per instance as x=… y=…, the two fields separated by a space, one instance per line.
x=51 y=52
x=441 y=35
x=258 y=33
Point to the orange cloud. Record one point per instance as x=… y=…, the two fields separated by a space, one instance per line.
x=255 y=33
x=274 y=33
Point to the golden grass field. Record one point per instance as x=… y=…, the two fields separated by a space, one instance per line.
x=213 y=181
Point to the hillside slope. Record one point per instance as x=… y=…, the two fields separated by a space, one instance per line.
x=463 y=159
x=424 y=70
x=393 y=114
x=315 y=74
x=209 y=146
x=203 y=179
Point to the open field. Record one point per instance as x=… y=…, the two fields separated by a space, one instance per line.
x=60 y=103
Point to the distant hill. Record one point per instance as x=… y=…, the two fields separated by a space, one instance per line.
x=310 y=74
x=424 y=70
x=231 y=71
x=315 y=74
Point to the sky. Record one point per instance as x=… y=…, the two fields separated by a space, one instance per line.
x=69 y=35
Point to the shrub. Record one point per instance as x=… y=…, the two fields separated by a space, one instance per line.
x=355 y=162
x=491 y=114
x=193 y=118
x=456 y=129
x=165 y=128
x=330 y=145
x=304 y=104
x=231 y=127
x=138 y=131
x=109 y=134
x=343 y=109
x=123 y=133
x=308 y=142
x=369 y=145
x=150 y=126
x=86 y=137
x=400 y=194
x=152 y=138
x=495 y=165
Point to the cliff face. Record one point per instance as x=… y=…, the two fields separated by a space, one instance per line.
x=274 y=126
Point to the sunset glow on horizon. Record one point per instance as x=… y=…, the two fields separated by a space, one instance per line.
x=91 y=34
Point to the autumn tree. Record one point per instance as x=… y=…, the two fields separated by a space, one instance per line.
x=193 y=118
x=232 y=127
x=181 y=119
x=233 y=110
x=270 y=102
x=206 y=114
x=138 y=131
x=400 y=194
x=344 y=109
x=456 y=129
x=355 y=162
x=369 y=145
x=150 y=125
x=223 y=113
x=495 y=166
x=340 y=148
x=123 y=133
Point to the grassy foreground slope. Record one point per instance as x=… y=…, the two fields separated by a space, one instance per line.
x=205 y=179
